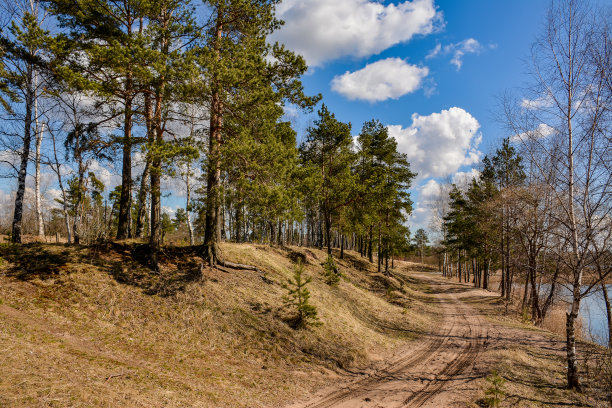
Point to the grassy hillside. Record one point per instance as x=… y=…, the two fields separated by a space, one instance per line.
x=94 y=327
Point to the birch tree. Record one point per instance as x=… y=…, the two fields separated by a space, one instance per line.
x=23 y=45
x=567 y=112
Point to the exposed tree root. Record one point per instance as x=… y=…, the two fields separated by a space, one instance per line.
x=210 y=254
x=233 y=265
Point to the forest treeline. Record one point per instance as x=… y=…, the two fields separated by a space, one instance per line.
x=191 y=91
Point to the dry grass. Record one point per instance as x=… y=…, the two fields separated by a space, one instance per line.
x=85 y=327
x=535 y=378
x=555 y=321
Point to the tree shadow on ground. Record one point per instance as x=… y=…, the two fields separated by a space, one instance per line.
x=35 y=261
x=129 y=263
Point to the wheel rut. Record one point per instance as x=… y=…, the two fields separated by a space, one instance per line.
x=438 y=364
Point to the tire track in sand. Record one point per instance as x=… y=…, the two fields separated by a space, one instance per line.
x=443 y=356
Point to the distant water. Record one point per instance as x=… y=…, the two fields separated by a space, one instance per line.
x=592 y=311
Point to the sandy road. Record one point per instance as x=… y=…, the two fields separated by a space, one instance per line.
x=433 y=373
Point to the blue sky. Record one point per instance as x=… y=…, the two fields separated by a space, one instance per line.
x=447 y=62
x=432 y=70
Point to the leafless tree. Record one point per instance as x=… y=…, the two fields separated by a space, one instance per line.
x=566 y=114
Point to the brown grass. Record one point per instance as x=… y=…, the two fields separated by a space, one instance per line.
x=86 y=327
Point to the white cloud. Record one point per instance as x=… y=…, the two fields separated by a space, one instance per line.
x=538 y=103
x=169 y=210
x=324 y=30
x=390 y=78
x=437 y=145
x=435 y=52
x=52 y=195
x=419 y=218
x=430 y=190
x=464 y=178
x=458 y=51
x=541 y=132
x=6 y=197
x=105 y=175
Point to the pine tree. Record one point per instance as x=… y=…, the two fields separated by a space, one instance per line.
x=327 y=155
x=297 y=299
x=246 y=76
x=385 y=178
x=421 y=240
x=331 y=271
x=508 y=172
x=495 y=393
x=111 y=35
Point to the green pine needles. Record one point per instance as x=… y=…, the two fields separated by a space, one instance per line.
x=305 y=314
x=331 y=272
x=495 y=393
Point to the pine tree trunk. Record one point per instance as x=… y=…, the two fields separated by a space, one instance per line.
x=142 y=200
x=155 y=218
x=39 y=129
x=213 y=177
x=58 y=171
x=76 y=221
x=485 y=281
x=156 y=170
x=553 y=288
x=187 y=206
x=370 y=255
x=126 y=173
x=422 y=261
x=526 y=289
x=142 y=191
x=379 y=249
x=328 y=233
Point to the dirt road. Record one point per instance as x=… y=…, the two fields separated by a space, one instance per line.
x=435 y=372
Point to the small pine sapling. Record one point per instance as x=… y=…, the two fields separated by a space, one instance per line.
x=494 y=394
x=297 y=299
x=331 y=272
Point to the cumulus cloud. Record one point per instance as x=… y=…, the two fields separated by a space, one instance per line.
x=390 y=78
x=464 y=178
x=419 y=218
x=169 y=210
x=323 y=30
x=439 y=144
x=104 y=173
x=430 y=190
x=541 y=132
x=458 y=51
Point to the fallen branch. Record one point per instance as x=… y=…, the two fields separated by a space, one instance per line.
x=115 y=376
